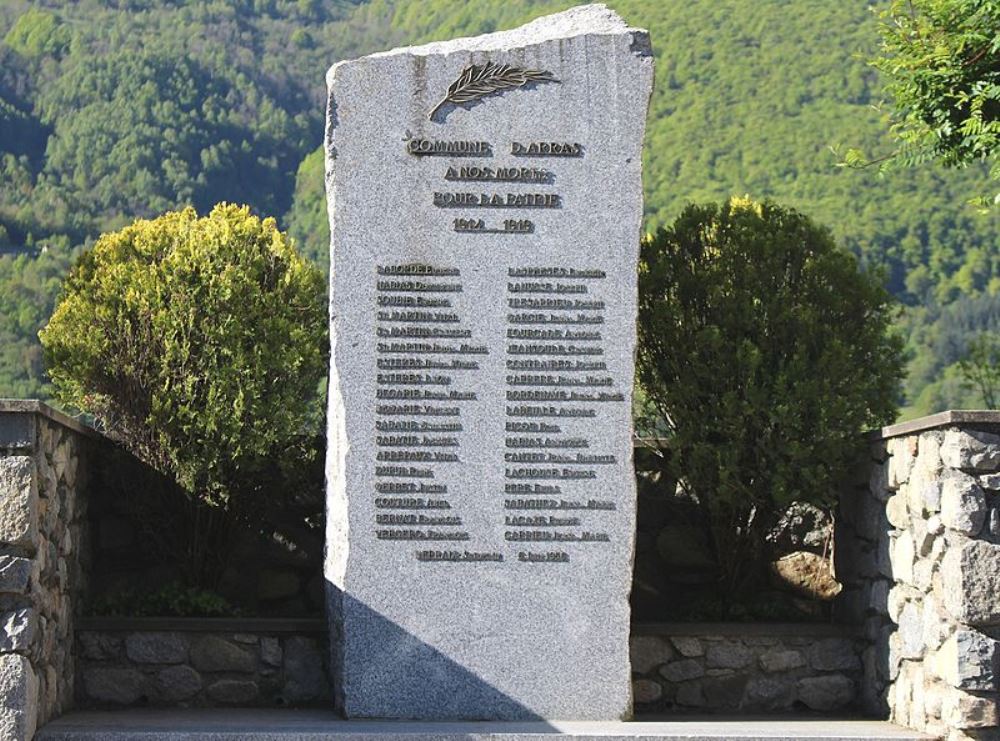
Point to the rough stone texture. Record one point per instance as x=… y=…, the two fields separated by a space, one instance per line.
x=728 y=655
x=42 y=482
x=834 y=654
x=968 y=661
x=14 y=574
x=971 y=450
x=19 y=693
x=826 y=693
x=155 y=648
x=649 y=652
x=120 y=686
x=245 y=668
x=963 y=504
x=646 y=691
x=216 y=654
x=688 y=646
x=753 y=673
x=456 y=636
x=970 y=576
x=178 y=683
x=679 y=671
x=18 y=502
x=781 y=660
x=931 y=662
x=17 y=630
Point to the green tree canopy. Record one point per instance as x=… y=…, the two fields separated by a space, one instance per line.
x=763 y=353
x=941 y=59
x=198 y=342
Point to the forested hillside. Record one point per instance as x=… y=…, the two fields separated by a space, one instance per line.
x=113 y=109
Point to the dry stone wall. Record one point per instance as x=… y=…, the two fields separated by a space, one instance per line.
x=918 y=549
x=43 y=472
x=744 y=668
x=202 y=667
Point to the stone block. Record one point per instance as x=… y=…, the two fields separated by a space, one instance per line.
x=971 y=450
x=18 y=629
x=970 y=580
x=960 y=709
x=781 y=660
x=936 y=627
x=156 y=648
x=270 y=651
x=826 y=693
x=769 y=693
x=928 y=494
x=923 y=574
x=834 y=654
x=728 y=655
x=114 y=685
x=305 y=676
x=18 y=698
x=15 y=572
x=446 y=605
x=990 y=482
x=911 y=631
x=725 y=693
x=233 y=691
x=902 y=452
x=177 y=683
x=646 y=691
x=18 y=502
x=902 y=554
x=683 y=670
x=213 y=654
x=963 y=504
x=968 y=660
x=688 y=646
x=649 y=652
x=896 y=511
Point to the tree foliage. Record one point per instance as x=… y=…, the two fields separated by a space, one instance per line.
x=941 y=59
x=763 y=353
x=197 y=342
x=981 y=368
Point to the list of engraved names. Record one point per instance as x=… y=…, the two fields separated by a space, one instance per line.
x=557 y=488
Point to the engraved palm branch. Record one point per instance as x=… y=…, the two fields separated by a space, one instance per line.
x=477 y=81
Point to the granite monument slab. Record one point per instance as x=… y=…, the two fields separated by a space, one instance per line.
x=485 y=202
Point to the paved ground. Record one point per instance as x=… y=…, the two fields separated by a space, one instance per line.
x=313 y=725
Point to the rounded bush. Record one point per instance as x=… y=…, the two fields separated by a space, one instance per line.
x=197 y=342
x=764 y=353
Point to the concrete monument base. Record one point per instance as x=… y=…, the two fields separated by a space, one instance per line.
x=317 y=725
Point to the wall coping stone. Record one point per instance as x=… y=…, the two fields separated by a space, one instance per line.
x=949 y=418
x=34 y=406
x=203 y=625
x=748 y=630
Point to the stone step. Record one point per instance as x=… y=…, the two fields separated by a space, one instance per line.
x=317 y=725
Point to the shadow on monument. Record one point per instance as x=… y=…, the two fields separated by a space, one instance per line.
x=395 y=675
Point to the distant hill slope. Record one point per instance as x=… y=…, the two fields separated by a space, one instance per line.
x=110 y=110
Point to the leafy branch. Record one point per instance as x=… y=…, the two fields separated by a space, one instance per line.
x=477 y=81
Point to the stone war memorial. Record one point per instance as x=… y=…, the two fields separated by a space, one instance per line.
x=481 y=499
x=485 y=201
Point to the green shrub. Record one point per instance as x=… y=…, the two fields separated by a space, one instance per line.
x=199 y=343
x=171 y=600
x=763 y=354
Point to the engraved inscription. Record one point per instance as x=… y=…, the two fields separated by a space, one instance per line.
x=548 y=458
x=416 y=453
